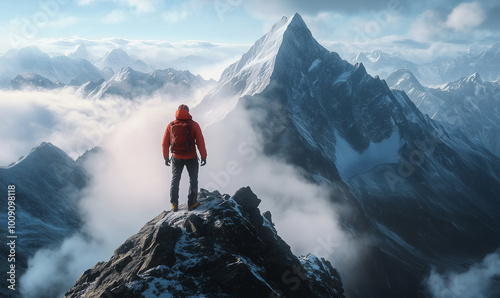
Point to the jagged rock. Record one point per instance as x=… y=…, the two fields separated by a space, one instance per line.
x=267 y=215
x=216 y=250
x=194 y=224
x=246 y=198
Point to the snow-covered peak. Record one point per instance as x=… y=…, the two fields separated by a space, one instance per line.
x=80 y=53
x=45 y=153
x=252 y=73
x=474 y=78
x=32 y=80
x=118 y=59
x=257 y=65
x=466 y=82
x=27 y=52
x=403 y=79
x=124 y=74
x=59 y=68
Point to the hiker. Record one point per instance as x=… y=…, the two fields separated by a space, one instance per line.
x=180 y=137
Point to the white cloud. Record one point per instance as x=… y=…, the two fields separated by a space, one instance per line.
x=183 y=11
x=114 y=17
x=28 y=118
x=466 y=16
x=428 y=26
x=460 y=23
x=474 y=283
x=142 y=5
x=174 y=15
x=85 y=2
x=138 y=5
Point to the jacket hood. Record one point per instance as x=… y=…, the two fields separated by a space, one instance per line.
x=182 y=114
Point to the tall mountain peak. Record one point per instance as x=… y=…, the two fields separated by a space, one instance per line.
x=297 y=21
x=80 y=53
x=257 y=65
x=119 y=58
x=404 y=79
x=288 y=39
x=465 y=82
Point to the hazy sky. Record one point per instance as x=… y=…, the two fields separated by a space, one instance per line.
x=170 y=29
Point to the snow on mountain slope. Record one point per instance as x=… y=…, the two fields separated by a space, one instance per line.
x=132 y=84
x=439 y=71
x=47 y=182
x=250 y=75
x=60 y=68
x=118 y=59
x=81 y=53
x=224 y=248
x=486 y=63
x=32 y=81
x=383 y=64
x=468 y=104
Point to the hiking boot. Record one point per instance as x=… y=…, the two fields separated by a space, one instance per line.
x=175 y=207
x=194 y=206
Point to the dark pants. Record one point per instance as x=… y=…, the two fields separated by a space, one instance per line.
x=177 y=167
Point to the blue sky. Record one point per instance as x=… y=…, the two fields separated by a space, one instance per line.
x=222 y=30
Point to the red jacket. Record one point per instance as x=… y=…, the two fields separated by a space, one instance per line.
x=196 y=135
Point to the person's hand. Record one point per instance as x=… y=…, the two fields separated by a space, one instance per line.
x=167 y=162
x=203 y=162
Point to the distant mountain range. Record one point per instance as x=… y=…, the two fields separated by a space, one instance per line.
x=442 y=71
x=469 y=105
x=60 y=70
x=131 y=84
x=115 y=74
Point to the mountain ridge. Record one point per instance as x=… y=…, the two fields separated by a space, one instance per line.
x=60 y=68
x=439 y=71
x=131 y=84
x=468 y=104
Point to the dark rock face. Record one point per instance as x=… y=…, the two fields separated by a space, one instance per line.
x=224 y=248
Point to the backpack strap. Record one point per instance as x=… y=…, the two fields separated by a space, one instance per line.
x=171 y=138
x=188 y=128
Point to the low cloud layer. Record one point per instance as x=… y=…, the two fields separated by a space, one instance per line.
x=479 y=281
x=75 y=125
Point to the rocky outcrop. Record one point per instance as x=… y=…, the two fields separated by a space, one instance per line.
x=224 y=248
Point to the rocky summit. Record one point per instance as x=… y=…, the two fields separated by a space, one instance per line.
x=224 y=248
